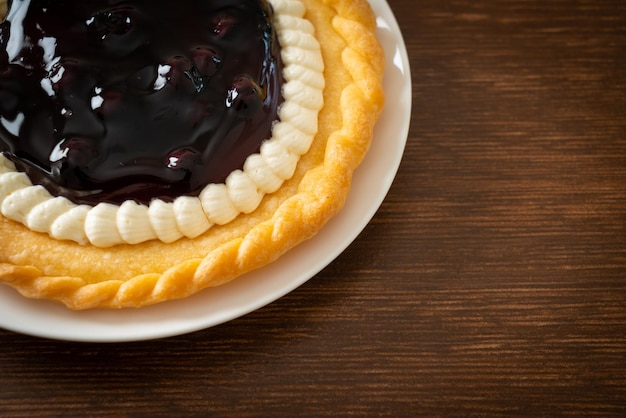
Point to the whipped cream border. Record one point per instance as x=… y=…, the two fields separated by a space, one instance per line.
x=106 y=225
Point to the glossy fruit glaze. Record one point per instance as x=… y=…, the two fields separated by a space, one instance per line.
x=109 y=100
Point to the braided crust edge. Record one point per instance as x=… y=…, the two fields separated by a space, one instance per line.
x=318 y=194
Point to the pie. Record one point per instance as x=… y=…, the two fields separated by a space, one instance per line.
x=272 y=105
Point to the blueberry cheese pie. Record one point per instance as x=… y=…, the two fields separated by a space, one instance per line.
x=150 y=149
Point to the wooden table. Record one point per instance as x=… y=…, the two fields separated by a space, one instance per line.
x=492 y=281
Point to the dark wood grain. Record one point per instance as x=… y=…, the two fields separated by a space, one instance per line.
x=491 y=282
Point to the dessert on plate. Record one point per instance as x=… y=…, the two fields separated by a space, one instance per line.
x=149 y=151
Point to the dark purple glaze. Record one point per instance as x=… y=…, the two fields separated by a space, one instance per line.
x=109 y=100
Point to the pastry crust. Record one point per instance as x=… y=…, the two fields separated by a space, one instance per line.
x=84 y=276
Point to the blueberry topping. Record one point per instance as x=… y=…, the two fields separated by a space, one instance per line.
x=111 y=100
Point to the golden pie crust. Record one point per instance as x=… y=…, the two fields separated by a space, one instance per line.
x=84 y=276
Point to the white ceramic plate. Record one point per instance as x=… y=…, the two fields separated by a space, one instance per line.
x=211 y=307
